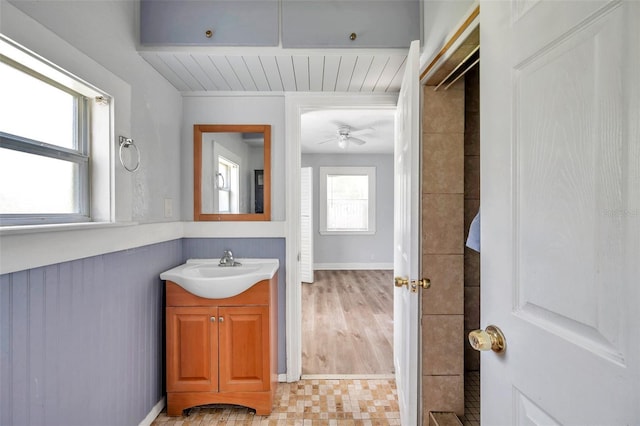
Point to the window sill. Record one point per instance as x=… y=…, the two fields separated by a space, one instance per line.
x=28 y=247
x=352 y=233
x=58 y=227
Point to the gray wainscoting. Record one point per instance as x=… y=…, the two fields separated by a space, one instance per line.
x=81 y=342
x=266 y=248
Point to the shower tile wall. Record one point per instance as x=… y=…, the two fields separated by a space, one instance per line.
x=443 y=190
x=471 y=206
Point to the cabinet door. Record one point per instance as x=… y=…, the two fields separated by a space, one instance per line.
x=321 y=23
x=192 y=349
x=231 y=23
x=244 y=348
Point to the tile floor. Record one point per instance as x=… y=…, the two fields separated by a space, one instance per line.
x=310 y=402
x=471 y=399
x=317 y=402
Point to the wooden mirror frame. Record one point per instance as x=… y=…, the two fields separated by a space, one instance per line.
x=198 y=130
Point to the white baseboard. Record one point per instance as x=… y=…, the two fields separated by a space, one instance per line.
x=348 y=376
x=351 y=266
x=282 y=378
x=157 y=409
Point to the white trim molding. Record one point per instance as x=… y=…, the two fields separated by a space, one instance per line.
x=297 y=104
x=370 y=174
x=157 y=409
x=57 y=244
x=28 y=247
x=352 y=266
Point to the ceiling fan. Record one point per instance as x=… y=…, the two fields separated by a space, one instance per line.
x=344 y=136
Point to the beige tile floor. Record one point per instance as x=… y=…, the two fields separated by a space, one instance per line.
x=325 y=402
x=310 y=402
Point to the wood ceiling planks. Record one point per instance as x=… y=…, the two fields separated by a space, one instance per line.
x=333 y=72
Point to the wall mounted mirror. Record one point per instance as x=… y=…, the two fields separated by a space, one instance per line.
x=232 y=172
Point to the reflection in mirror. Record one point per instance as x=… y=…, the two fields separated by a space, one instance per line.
x=232 y=172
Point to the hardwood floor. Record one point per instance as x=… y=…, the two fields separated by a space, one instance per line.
x=347 y=323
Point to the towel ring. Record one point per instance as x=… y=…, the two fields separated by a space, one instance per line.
x=126 y=143
x=220 y=177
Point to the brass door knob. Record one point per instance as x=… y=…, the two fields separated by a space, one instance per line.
x=400 y=282
x=425 y=283
x=490 y=338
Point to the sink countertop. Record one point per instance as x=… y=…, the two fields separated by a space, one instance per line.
x=205 y=278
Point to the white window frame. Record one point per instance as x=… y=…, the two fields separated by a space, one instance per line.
x=370 y=172
x=230 y=184
x=94 y=137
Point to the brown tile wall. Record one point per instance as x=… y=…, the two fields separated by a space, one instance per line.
x=471 y=206
x=443 y=253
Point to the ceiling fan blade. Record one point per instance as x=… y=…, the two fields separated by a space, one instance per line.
x=331 y=139
x=356 y=141
x=338 y=124
x=361 y=131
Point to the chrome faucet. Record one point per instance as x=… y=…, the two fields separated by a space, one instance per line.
x=227 y=259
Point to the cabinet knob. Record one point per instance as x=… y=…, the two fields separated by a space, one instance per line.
x=221 y=319
x=212 y=319
x=208 y=33
x=352 y=36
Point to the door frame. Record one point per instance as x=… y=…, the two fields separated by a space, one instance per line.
x=295 y=105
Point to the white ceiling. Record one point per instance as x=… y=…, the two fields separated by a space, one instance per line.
x=318 y=126
x=193 y=69
x=271 y=70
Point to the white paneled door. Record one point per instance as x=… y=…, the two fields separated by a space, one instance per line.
x=560 y=225
x=406 y=238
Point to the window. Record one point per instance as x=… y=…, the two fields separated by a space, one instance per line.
x=45 y=130
x=347 y=200
x=228 y=186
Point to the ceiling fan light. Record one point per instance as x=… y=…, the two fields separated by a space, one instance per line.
x=342 y=142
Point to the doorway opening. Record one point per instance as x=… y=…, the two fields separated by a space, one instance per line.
x=347 y=242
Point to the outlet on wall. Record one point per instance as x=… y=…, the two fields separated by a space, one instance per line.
x=168 y=207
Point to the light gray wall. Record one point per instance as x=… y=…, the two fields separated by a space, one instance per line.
x=357 y=249
x=441 y=18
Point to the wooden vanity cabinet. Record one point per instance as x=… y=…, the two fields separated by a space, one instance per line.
x=222 y=350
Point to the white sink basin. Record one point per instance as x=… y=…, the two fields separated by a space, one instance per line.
x=204 y=278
